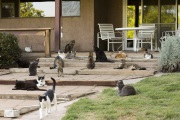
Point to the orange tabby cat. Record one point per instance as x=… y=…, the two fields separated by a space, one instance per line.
x=121 y=55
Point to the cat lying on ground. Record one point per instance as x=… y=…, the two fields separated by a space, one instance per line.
x=29 y=85
x=100 y=55
x=131 y=66
x=125 y=90
x=91 y=62
x=121 y=55
x=33 y=68
x=23 y=63
x=46 y=99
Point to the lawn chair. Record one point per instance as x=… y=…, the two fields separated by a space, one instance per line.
x=146 y=36
x=107 y=33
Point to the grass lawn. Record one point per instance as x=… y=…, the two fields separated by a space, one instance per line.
x=158 y=98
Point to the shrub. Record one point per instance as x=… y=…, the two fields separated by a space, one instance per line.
x=9 y=49
x=170 y=54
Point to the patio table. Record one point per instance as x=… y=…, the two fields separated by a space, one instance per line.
x=136 y=30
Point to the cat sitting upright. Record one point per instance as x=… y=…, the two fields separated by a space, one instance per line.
x=125 y=90
x=121 y=55
x=46 y=99
x=91 y=62
x=100 y=55
x=69 y=47
x=33 y=68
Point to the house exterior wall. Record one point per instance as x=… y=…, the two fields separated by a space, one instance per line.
x=80 y=29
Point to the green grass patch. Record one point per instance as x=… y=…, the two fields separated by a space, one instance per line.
x=158 y=98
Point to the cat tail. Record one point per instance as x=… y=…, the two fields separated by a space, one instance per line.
x=54 y=83
x=51 y=68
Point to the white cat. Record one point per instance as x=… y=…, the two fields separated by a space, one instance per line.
x=62 y=55
x=28 y=49
x=46 y=99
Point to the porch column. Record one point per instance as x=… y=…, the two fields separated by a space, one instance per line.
x=58 y=5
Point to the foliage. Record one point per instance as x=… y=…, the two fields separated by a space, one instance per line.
x=9 y=49
x=27 y=10
x=169 y=60
x=157 y=99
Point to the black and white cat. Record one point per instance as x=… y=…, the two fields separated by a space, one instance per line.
x=41 y=81
x=125 y=90
x=46 y=99
x=33 y=68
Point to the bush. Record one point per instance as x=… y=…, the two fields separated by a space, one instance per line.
x=9 y=49
x=170 y=54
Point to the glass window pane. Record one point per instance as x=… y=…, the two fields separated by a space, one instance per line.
x=8 y=9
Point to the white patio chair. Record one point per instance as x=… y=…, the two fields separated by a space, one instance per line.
x=146 y=36
x=107 y=33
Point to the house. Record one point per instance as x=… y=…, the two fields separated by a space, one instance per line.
x=83 y=28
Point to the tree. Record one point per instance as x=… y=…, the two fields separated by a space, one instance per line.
x=27 y=10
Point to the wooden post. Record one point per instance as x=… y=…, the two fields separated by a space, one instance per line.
x=58 y=5
x=47 y=43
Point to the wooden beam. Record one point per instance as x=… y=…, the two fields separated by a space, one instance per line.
x=58 y=4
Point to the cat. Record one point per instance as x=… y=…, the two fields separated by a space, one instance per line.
x=121 y=55
x=27 y=85
x=55 y=64
x=46 y=99
x=71 y=55
x=61 y=54
x=33 y=68
x=59 y=68
x=69 y=47
x=147 y=55
x=125 y=90
x=40 y=81
x=91 y=62
x=28 y=49
x=23 y=63
x=100 y=55
x=131 y=66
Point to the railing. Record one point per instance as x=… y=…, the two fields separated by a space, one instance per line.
x=46 y=32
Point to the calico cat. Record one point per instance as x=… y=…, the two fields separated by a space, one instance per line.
x=59 y=68
x=69 y=47
x=100 y=55
x=55 y=64
x=27 y=85
x=147 y=55
x=23 y=63
x=46 y=99
x=125 y=90
x=40 y=81
x=121 y=55
x=90 y=63
x=33 y=68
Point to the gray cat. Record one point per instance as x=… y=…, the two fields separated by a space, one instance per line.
x=125 y=90
x=33 y=68
x=57 y=58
